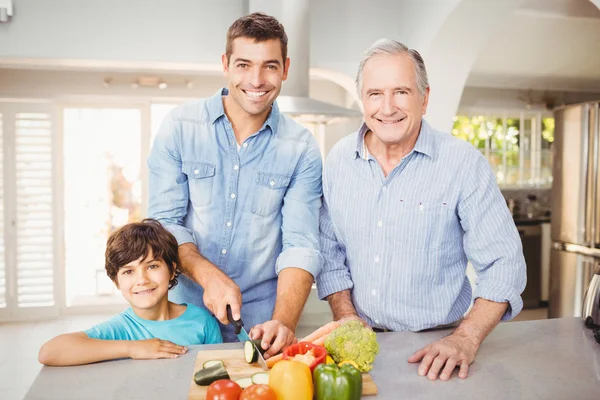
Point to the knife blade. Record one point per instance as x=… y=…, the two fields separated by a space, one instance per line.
x=243 y=337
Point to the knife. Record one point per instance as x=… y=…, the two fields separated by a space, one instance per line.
x=243 y=337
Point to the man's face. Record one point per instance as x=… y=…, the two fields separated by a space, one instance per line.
x=144 y=283
x=393 y=106
x=255 y=71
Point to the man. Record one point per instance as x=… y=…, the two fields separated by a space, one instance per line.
x=405 y=207
x=239 y=186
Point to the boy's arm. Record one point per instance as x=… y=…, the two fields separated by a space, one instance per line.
x=77 y=349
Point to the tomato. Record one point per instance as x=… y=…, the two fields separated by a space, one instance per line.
x=223 y=389
x=258 y=392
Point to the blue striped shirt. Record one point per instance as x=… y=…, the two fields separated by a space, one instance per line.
x=401 y=243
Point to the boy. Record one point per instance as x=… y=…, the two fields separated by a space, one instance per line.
x=142 y=261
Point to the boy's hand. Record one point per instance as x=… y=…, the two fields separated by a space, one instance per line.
x=155 y=348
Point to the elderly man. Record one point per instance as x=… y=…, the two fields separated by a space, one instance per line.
x=405 y=207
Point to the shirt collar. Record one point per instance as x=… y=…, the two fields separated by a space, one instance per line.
x=425 y=142
x=216 y=110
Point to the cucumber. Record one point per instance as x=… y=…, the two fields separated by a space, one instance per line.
x=261 y=378
x=206 y=376
x=210 y=363
x=258 y=344
x=244 y=382
x=250 y=352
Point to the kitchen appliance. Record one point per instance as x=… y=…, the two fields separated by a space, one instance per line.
x=575 y=254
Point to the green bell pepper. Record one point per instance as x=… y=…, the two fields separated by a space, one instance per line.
x=339 y=383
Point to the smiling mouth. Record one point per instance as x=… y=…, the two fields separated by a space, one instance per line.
x=391 y=122
x=254 y=95
x=143 y=292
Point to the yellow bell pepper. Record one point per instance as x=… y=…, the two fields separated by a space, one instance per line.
x=291 y=380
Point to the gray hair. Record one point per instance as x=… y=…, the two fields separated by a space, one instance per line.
x=392 y=47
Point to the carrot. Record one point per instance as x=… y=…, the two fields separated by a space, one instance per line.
x=320 y=341
x=322 y=332
x=272 y=360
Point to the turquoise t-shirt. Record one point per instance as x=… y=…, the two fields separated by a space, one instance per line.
x=194 y=326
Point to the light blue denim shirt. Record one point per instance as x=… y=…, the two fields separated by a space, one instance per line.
x=252 y=212
x=401 y=242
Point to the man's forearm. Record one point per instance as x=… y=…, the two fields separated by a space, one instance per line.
x=293 y=288
x=481 y=320
x=341 y=305
x=194 y=264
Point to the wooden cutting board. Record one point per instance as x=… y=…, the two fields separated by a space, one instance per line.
x=237 y=368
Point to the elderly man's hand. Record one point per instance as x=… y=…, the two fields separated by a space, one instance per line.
x=441 y=357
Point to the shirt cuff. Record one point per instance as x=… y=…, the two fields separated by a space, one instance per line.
x=333 y=283
x=300 y=257
x=501 y=293
x=182 y=235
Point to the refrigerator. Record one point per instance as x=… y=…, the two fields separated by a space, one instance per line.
x=575 y=226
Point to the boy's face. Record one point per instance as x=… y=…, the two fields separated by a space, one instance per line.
x=144 y=283
x=255 y=72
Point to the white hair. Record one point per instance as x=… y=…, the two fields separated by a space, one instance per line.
x=392 y=48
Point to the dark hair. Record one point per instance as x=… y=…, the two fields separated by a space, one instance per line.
x=260 y=27
x=136 y=240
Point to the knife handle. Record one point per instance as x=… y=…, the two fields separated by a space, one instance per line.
x=238 y=324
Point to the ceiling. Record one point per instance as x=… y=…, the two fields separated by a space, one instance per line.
x=547 y=44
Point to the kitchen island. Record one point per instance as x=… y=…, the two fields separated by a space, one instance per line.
x=544 y=359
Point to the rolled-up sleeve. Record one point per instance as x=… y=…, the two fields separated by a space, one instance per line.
x=168 y=186
x=335 y=275
x=491 y=239
x=300 y=213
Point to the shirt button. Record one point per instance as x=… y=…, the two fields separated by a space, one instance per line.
x=380 y=224
x=233 y=195
x=245 y=144
x=374 y=292
x=224 y=251
x=377 y=321
x=272 y=183
x=196 y=172
x=228 y=223
x=376 y=259
x=420 y=207
x=384 y=188
x=236 y=167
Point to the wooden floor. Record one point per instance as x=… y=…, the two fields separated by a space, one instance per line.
x=20 y=342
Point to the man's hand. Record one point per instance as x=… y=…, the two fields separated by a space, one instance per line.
x=155 y=348
x=220 y=290
x=444 y=355
x=275 y=337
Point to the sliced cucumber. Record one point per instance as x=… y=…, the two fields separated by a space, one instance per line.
x=244 y=382
x=261 y=378
x=250 y=352
x=211 y=363
x=206 y=376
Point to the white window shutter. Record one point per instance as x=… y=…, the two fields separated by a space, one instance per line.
x=2 y=255
x=34 y=222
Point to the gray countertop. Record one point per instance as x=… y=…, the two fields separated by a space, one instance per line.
x=545 y=359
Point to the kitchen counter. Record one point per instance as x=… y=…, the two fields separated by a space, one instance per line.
x=544 y=359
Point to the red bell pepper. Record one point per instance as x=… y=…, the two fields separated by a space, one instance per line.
x=318 y=352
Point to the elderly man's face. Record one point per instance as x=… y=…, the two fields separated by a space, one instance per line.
x=393 y=106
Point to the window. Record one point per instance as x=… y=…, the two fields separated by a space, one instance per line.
x=518 y=147
x=102 y=192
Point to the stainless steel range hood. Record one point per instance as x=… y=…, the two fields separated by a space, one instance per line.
x=294 y=98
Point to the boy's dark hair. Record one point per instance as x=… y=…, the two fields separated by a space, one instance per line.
x=257 y=26
x=135 y=240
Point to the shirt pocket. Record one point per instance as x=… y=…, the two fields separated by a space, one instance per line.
x=201 y=178
x=423 y=224
x=269 y=192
